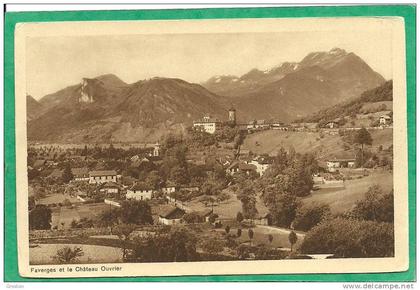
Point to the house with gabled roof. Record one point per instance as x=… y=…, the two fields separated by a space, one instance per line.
x=140 y=191
x=110 y=188
x=80 y=174
x=102 y=176
x=171 y=216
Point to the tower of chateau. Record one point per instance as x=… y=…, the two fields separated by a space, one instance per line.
x=232 y=115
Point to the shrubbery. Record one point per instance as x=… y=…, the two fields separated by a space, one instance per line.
x=347 y=238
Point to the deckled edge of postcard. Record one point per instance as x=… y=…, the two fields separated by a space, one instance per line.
x=348 y=265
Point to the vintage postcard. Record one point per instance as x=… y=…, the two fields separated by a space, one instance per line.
x=211 y=147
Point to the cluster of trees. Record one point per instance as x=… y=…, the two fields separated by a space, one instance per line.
x=367 y=230
x=288 y=179
x=177 y=245
x=346 y=238
x=226 y=134
x=130 y=212
x=366 y=158
x=136 y=212
x=40 y=217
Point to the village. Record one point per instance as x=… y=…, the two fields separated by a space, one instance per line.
x=206 y=178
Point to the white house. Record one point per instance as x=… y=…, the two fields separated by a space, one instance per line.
x=80 y=174
x=110 y=188
x=258 y=125
x=385 y=120
x=171 y=216
x=139 y=191
x=156 y=150
x=169 y=188
x=261 y=163
x=333 y=164
x=102 y=176
x=207 y=124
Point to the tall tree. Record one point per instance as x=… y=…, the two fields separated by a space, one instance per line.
x=246 y=194
x=239 y=217
x=292 y=239
x=363 y=137
x=136 y=212
x=40 y=218
x=283 y=211
x=376 y=206
x=123 y=231
x=250 y=235
x=68 y=255
x=270 y=238
x=67 y=174
x=238 y=232
x=310 y=215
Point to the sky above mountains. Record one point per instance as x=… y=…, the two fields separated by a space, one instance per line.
x=56 y=62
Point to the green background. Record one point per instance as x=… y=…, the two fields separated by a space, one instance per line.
x=408 y=12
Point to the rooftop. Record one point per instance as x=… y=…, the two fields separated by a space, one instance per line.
x=102 y=173
x=172 y=213
x=140 y=186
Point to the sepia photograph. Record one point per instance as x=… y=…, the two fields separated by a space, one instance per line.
x=199 y=147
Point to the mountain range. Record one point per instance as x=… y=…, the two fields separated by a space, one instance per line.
x=292 y=90
x=106 y=109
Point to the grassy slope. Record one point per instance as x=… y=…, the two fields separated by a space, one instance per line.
x=271 y=141
x=343 y=199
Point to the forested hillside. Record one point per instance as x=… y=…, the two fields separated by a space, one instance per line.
x=382 y=93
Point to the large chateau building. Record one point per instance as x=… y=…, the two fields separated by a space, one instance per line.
x=211 y=125
x=207 y=124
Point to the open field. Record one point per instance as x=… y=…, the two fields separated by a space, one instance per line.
x=67 y=214
x=270 y=141
x=343 y=199
x=57 y=198
x=280 y=237
x=43 y=254
x=227 y=209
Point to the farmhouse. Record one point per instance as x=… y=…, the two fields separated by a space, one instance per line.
x=205 y=215
x=246 y=168
x=279 y=126
x=169 y=187
x=333 y=164
x=171 y=216
x=139 y=191
x=233 y=168
x=261 y=163
x=156 y=150
x=110 y=188
x=102 y=176
x=331 y=125
x=258 y=125
x=385 y=120
x=80 y=174
x=263 y=220
x=207 y=124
